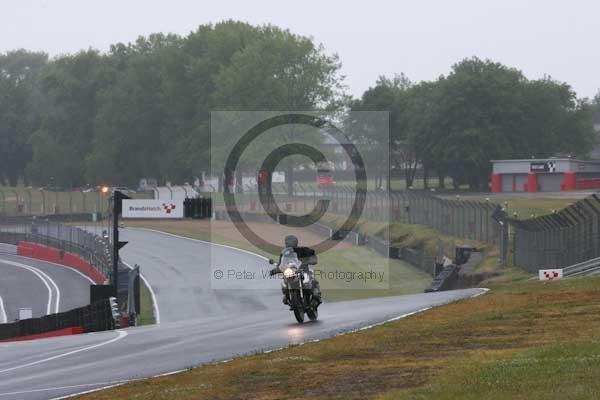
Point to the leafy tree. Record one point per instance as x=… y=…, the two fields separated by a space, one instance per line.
x=154 y=117
x=391 y=95
x=421 y=114
x=596 y=107
x=20 y=104
x=211 y=48
x=280 y=71
x=134 y=133
x=479 y=119
x=70 y=85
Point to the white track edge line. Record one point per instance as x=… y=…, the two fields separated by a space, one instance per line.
x=57 y=297
x=3 y=317
x=203 y=241
x=121 y=335
x=36 y=273
x=58 y=265
x=111 y=385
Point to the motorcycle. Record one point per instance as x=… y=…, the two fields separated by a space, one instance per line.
x=297 y=286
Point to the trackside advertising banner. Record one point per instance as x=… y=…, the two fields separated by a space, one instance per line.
x=171 y=209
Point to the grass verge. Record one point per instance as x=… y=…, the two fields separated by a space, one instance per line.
x=535 y=207
x=427 y=240
x=146 y=316
x=527 y=340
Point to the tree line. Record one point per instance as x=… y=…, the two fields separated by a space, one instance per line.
x=142 y=109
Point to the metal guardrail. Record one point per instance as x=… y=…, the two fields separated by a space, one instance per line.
x=90 y=247
x=585 y=268
x=51 y=232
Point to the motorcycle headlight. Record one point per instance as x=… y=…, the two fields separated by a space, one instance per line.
x=289 y=273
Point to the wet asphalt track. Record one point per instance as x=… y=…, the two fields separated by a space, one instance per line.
x=45 y=288
x=198 y=323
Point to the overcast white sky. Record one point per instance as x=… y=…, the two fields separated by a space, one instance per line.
x=421 y=38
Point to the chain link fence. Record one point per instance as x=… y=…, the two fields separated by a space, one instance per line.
x=51 y=231
x=563 y=238
x=28 y=202
x=461 y=218
x=457 y=217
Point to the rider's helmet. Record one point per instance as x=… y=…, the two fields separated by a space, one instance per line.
x=291 y=241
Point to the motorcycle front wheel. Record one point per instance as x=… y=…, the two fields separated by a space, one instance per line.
x=296 y=302
x=312 y=314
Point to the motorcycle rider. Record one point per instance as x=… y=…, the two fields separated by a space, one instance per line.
x=307 y=257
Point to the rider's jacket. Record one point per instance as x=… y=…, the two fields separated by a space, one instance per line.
x=306 y=255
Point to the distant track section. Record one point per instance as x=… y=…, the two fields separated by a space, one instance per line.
x=44 y=287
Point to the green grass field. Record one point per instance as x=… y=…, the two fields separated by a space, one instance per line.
x=403 y=278
x=534 y=207
x=146 y=316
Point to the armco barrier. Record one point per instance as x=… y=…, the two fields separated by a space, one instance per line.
x=57 y=256
x=87 y=246
x=63 y=244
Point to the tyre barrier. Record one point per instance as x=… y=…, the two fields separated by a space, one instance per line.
x=61 y=332
x=91 y=318
x=197 y=208
x=447 y=279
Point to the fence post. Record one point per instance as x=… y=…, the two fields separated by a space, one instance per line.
x=3 y=196
x=17 y=201
x=83 y=202
x=29 y=202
